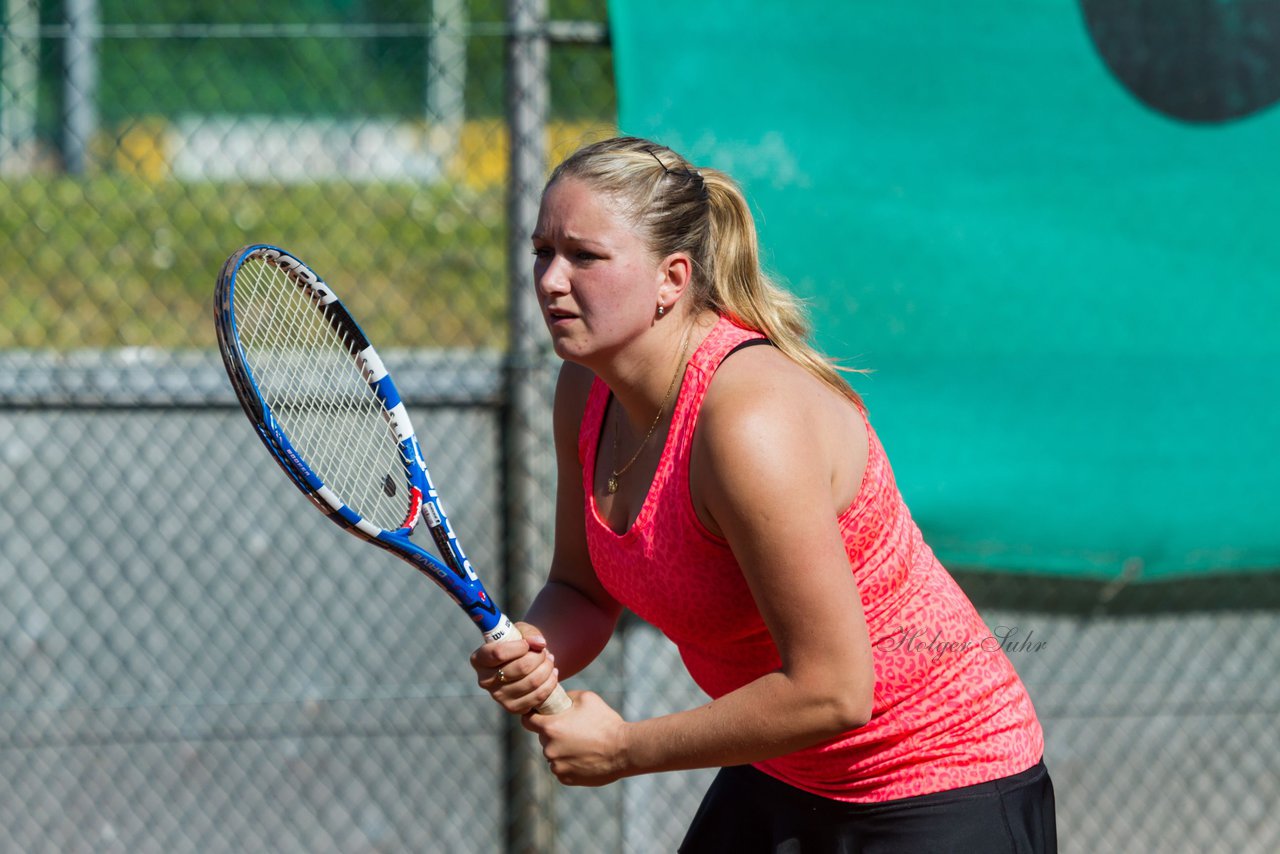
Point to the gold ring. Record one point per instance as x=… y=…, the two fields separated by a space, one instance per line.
x=502 y=677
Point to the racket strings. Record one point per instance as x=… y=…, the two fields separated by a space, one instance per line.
x=307 y=374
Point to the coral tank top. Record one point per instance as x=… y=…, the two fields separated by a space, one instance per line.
x=948 y=711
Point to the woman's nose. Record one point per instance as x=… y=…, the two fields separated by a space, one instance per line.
x=550 y=275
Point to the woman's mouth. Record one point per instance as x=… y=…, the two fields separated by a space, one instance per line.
x=556 y=316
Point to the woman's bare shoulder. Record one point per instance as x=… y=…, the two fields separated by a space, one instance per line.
x=767 y=417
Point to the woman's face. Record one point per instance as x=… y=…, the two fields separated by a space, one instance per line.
x=597 y=282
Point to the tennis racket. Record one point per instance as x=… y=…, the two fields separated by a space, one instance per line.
x=325 y=406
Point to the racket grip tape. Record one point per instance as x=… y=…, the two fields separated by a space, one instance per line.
x=558 y=701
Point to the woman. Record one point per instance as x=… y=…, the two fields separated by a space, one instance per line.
x=736 y=497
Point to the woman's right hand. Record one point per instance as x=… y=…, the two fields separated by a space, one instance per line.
x=519 y=674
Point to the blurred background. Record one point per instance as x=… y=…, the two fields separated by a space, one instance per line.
x=1046 y=229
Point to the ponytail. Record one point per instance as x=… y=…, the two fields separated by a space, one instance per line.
x=738 y=288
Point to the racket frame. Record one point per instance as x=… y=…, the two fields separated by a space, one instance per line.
x=452 y=571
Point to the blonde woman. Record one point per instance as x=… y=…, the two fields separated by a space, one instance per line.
x=736 y=497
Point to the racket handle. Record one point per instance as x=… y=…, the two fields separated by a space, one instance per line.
x=558 y=701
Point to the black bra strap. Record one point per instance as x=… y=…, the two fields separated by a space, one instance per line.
x=750 y=342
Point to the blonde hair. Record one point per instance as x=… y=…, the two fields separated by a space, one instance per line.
x=702 y=213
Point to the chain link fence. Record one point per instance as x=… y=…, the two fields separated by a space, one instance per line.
x=191 y=661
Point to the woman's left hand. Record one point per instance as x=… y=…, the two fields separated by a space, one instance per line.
x=585 y=746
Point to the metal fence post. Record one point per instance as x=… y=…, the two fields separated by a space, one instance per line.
x=80 y=85
x=446 y=75
x=19 y=76
x=528 y=510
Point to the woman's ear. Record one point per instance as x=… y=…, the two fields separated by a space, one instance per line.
x=677 y=276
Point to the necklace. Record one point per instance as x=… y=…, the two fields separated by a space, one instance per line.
x=612 y=483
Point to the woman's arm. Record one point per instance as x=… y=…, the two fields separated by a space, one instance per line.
x=776 y=459
x=572 y=617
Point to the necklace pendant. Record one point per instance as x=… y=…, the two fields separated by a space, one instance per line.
x=612 y=484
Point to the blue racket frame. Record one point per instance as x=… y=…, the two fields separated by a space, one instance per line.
x=452 y=570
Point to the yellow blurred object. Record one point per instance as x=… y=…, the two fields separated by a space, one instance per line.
x=141 y=151
x=564 y=138
x=480 y=161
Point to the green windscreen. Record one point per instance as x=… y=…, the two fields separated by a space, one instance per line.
x=1049 y=229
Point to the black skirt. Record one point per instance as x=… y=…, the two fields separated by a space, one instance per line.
x=748 y=812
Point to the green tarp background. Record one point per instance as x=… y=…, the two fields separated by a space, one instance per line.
x=1068 y=294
